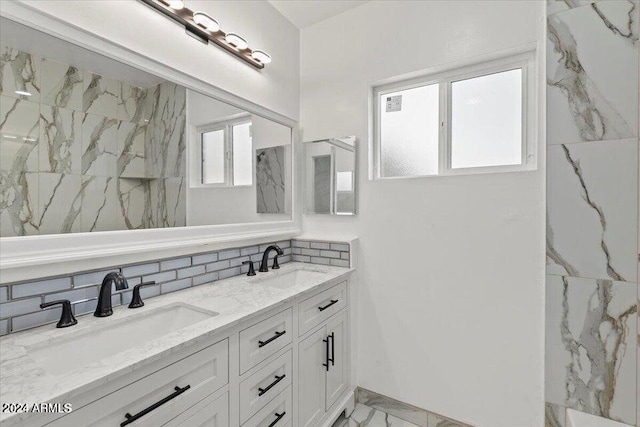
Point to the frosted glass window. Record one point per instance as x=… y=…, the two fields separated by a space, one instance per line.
x=486 y=120
x=213 y=157
x=344 y=181
x=242 y=158
x=409 y=132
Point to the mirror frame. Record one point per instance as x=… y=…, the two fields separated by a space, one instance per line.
x=29 y=257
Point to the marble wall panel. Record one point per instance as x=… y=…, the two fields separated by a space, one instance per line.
x=99 y=145
x=19 y=71
x=270 y=180
x=62 y=85
x=131 y=152
x=591 y=346
x=19 y=134
x=100 y=95
x=59 y=203
x=19 y=215
x=60 y=147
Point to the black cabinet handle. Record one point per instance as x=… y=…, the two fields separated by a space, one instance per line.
x=275 y=337
x=131 y=418
x=278 y=418
x=326 y=353
x=333 y=301
x=262 y=391
x=333 y=348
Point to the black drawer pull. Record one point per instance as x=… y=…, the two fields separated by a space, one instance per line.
x=333 y=301
x=333 y=348
x=326 y=353
x=276 y=336
x=278 y=418
x=131 y=418
x=262 y=391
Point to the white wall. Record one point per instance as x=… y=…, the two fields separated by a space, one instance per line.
x=137 y=27
x=450 y=268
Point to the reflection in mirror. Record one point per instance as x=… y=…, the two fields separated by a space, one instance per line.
x=331 y=171
x=91 y=144
x=240 y=164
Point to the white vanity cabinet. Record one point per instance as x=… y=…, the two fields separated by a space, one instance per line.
x=323 y=370
x=286 y=367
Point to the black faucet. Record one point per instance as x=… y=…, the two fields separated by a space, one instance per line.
x=265 y=258
x=104 y=298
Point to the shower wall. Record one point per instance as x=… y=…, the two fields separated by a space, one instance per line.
x=592 y=357
x=82 y=152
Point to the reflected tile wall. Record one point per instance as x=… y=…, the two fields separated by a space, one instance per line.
x=84 y=155
x=593 y=360
x=19 y=71
x=270 y=180
x=554 y=415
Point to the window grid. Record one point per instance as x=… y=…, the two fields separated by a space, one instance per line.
x=524 y=61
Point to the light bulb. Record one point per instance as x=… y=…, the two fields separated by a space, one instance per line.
x=175 y=4
x=237 y=41
x=261 y=56
x=206 y=21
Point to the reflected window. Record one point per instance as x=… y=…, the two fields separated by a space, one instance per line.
x=226 y=153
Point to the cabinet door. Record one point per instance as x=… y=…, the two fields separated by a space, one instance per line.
x=338 y=374
x=312 y=378
x=210 y=412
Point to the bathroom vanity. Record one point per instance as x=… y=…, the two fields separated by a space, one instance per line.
x=269 y=350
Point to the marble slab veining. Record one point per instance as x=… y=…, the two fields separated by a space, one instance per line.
x=100 y=95
x=62 y=85
x=270 y=180
x=60 y=145
x=19 y=135
x=554 y=415
x=235 y=299
x=592 y=208
x=19 y=214
x=588 y=95
x=365 y=416
x=99 y=145
x=19 y=71
x=591 y=346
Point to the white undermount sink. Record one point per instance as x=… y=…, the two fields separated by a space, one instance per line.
x=75 y=352
x=290 y=279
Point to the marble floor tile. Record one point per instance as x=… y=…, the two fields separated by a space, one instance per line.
x=59 y=203
x=60 y=140
x=19 y=215
x=99 y=145
x=100 y=95
x=365 y=416
x=554 y=415
x=592 y=206
x=588 y=95
x=19 y=71
x=591 y=346
x=19 y=134
x=62 y=85
x=402 y=410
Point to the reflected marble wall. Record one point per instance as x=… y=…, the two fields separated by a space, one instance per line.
x=592 y=358
x=86 y=153
x=270 y=180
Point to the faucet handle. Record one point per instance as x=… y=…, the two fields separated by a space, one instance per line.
x=136 y=300
x=66 y=319
x=275 y=265
x=252 y=271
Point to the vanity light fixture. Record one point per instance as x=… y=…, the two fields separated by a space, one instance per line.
x=237 y=41
x=206 y=21
x=203 y=27
x=22 y=92
x=261 y=56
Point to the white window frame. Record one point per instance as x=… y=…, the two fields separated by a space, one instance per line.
x=524 y=61
x=225 y=125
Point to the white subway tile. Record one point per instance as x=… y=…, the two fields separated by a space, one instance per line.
x=217 y=266
x=229 y=273
x=317 y=260
x=204 y=258
x=320 y=245
x=232 y=253
x=301 y=244
x=32 y=320
x=249 y=251
x=175 y=286
x=205 y=278
x=93 y=278
x=140 y=270
x=340 y=263
x=165 y=276
x=191 y=271
x=74 y=295
x=16 y=308
x=330 y=254
x=40 y=287
x=4 y=294
x=172 y=264
x=4 y=327
x=340 y=247
x=301 y=258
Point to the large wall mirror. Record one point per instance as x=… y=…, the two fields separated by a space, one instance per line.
x=330 y=166
x=90 y=144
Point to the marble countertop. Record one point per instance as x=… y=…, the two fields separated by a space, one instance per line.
x=23 y=380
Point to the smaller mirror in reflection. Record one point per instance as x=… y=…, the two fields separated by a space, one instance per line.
x=330 y=165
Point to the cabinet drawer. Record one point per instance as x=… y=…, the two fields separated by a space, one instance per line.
x=210 y=412
x=264 y=385
x=169 y=392
x=264 y=339
x=318 y=308
x=276 y=413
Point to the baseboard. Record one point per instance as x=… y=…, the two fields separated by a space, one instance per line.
x=345 y=404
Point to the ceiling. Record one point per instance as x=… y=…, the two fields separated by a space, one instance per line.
x=304 y=13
